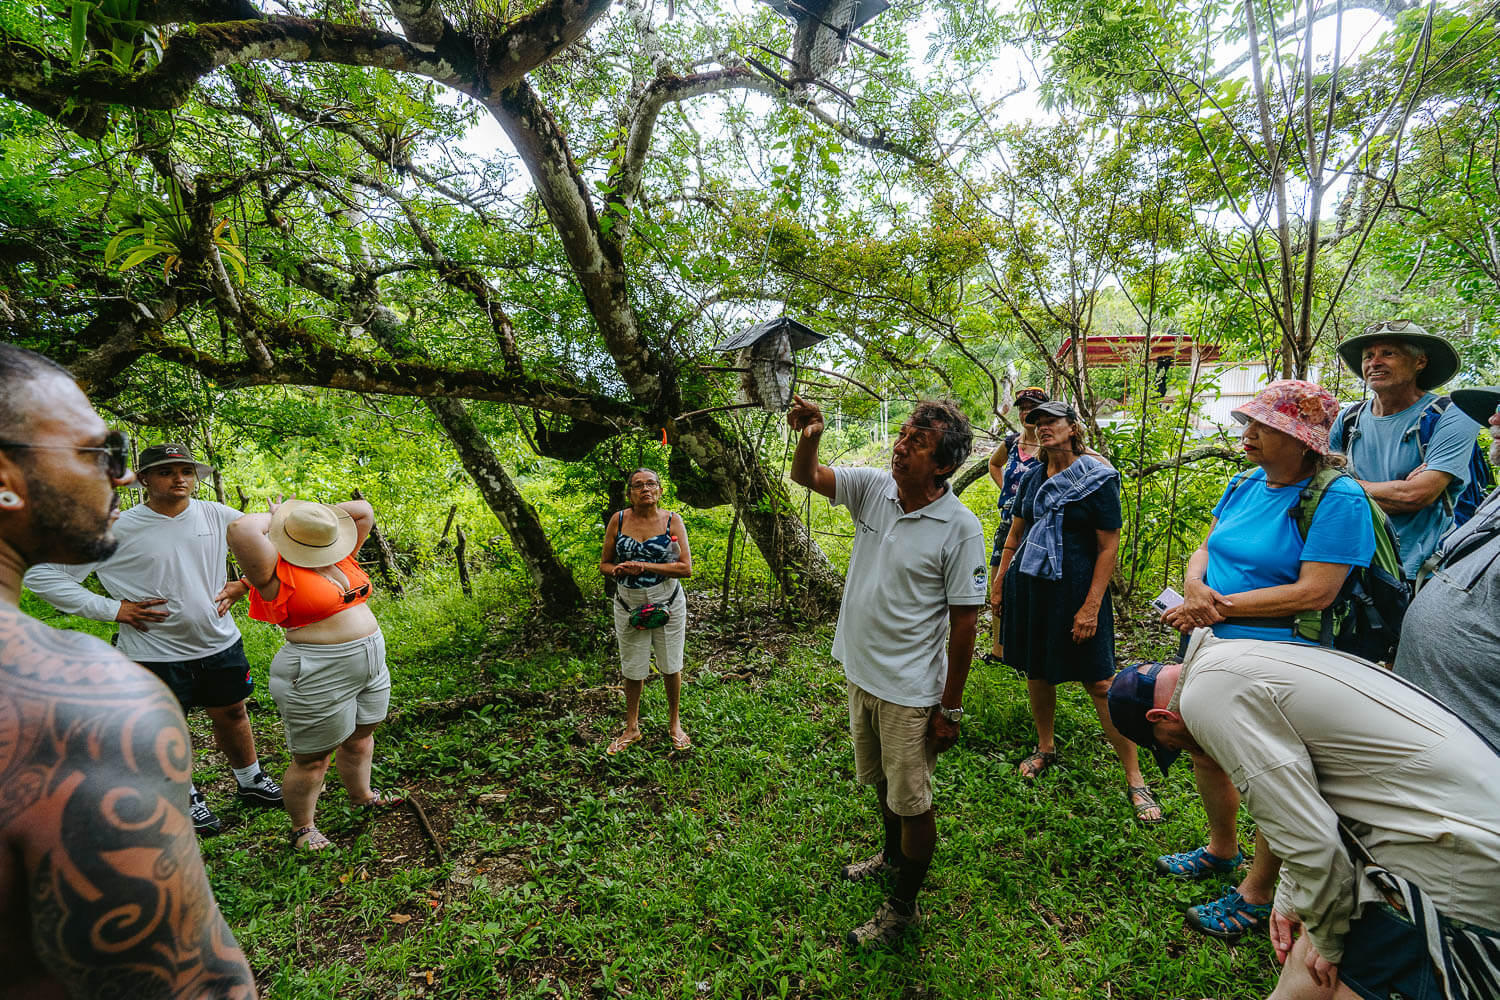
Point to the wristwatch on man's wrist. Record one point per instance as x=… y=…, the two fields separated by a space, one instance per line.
x=954 y=715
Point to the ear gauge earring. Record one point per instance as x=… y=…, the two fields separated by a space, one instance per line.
x=9 y=499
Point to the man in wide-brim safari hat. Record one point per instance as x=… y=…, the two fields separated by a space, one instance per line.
x=1435 y=360
x=1408 y=448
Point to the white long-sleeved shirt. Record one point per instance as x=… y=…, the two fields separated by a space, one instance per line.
x=1310 y=736
x=181 y=559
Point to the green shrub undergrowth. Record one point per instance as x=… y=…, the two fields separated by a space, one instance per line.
x=706 y=874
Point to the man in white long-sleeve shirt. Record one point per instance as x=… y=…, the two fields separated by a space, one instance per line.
x=1312 y=738
x=167 y=589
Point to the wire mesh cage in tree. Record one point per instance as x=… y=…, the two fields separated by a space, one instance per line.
x=764 y=352
x=823 y=30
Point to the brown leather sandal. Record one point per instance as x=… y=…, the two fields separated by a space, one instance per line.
x=1038 y=764
x=315 y=840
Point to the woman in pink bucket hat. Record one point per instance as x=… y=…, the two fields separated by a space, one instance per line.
x=1305 y=410
x=1248 y=580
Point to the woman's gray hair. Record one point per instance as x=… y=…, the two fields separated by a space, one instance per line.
x=635 y=472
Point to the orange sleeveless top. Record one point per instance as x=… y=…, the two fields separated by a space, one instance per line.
x=307 y=596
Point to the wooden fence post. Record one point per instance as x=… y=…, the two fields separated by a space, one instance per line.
x=385 y=556
x=459 y=549
x=443 y=538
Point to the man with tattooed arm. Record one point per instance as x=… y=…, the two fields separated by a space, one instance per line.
x=102 y=889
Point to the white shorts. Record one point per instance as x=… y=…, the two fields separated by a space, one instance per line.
x=636 y=645
x=323 y=692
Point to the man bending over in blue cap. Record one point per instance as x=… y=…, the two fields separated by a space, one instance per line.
x=1317 y=741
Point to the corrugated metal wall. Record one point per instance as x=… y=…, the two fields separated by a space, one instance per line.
x=1236 y=385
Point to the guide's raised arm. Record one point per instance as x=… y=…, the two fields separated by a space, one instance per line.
x=806 y=469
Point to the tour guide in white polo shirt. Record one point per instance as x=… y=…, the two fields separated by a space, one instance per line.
x=916 y=580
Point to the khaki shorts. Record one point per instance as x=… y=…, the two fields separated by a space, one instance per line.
x=890 y=745
x=637 y=645
x=323 y=692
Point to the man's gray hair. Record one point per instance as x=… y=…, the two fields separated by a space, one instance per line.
x=1414 y=351
x=957 y=437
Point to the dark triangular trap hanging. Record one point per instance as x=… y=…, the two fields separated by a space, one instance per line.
x=765 y=353
x=823 y=29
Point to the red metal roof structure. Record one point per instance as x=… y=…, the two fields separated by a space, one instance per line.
x=1114 y=349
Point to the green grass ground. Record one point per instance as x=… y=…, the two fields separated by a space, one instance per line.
x=706 y=874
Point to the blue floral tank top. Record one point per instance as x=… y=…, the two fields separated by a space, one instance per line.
x=1016 y=468
x=660 y=548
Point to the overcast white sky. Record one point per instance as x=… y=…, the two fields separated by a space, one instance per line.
x=1361 y=31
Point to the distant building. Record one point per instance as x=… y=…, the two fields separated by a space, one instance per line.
x=1220 y=386
x=1226 y=387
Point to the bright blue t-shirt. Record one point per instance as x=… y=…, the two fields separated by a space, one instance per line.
x=1256 y=542
x=1386 y=448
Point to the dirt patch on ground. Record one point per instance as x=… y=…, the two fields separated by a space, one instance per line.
x=745 y=647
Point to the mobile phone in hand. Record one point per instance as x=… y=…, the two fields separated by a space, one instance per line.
x=1166 y=601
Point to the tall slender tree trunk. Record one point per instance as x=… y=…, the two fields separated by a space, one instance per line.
x=1292 y=364
x=598 y=264
x=559 y=593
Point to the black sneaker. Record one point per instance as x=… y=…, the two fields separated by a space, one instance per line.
x=263 y=791
x=205 y=823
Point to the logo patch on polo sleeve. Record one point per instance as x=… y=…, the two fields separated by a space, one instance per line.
x=979 y=577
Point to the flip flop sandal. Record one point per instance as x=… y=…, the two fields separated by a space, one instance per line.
x=991 y=659
x=1197 y=864
x=1229 y=917
x=686 y=743
x=315 y=840
x=1039 y=763
x=383 y=800
x=620 y=743
x=1141 y=800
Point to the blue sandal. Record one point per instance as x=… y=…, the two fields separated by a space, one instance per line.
x=1229 y=918
x=1197 y=864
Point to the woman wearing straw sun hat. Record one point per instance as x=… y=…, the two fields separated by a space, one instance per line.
x=329 y=679
x=1253 y=573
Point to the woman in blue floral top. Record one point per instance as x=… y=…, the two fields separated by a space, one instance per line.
x=646 y=553
x=1016 y=455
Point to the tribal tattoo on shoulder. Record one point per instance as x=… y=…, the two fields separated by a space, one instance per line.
x=94 y=758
